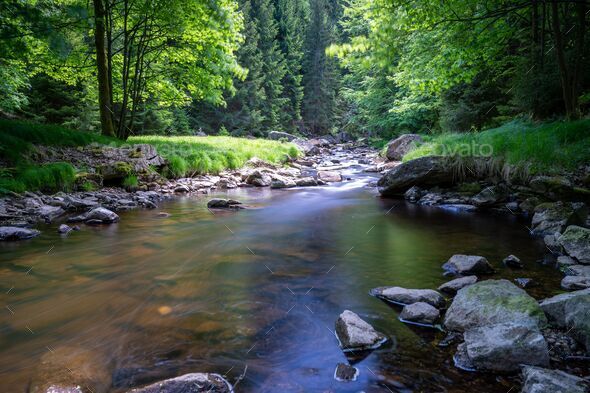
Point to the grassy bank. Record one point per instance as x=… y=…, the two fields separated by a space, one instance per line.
x=189 y=155
x=547 y=148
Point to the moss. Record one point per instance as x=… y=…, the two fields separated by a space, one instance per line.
x=135 y=154
x=469 y=188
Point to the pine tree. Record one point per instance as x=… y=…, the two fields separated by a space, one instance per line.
x=293 y=19
x=321 y=75
x=273 y=62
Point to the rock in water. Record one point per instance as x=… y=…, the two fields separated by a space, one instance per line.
x=63 y=228
x=577 y=318
x=513 y=261
x=468 y=265
x=491 y=302
x=356 y=334
x=542 y=380
x=404 y=297
x=554 y=307
x=259 y=178
x=306 y=182
x=419 y=313
x=422 y=172
x=453 y=286
x=329 y=176
x=17 y=233
x=189 y=383
x=576 y=243
x=402 y=145
x=345 y=373
x=218 y=203
x=505 y=346
x=98 y=215
x=282 y=182
x=575 y=282
x=551 y=218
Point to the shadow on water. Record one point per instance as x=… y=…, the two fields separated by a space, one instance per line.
x=155 y=297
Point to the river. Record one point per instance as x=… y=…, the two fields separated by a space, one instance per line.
x=258 y=290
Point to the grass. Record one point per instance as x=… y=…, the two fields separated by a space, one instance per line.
x=542 y=148
x=189 y=156
x=49 y=177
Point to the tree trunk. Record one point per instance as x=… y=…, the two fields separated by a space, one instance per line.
x=569 y=75
x=104 y=93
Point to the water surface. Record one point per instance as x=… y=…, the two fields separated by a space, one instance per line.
x=155 y=297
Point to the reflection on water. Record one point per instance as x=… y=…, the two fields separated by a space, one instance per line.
x=155 y=297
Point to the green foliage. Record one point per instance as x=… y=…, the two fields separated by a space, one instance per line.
x=18 y=137
x=542 y=148
x=59 y=176
x=189 y=156
x=130 y=181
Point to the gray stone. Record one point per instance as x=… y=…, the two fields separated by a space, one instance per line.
x=524 y=282
x=420 y=313
x=356 y=334
x=491 y=302
x=63 y=228
x=551 y=218
x=402 y=145
x=414 y=194
x=554 y=307
x=577 y=270
x=422 y=172
x=345 y=372
x=468 y=265
x=306 y=182
x=189 y=383
x=219 y=203
x=577 y=319
x=17 y=233
x=513 y=261
x=329 y=176
x=404 y=296
x=565 y=261
x=453 y=286
x=259 y=178
x=572 y=283
x=282 y=182
x=489 y=196
x=576 y=243
x=96 y=216
x=276 y=135
x=182 y=188
x=50 y=213
x=78 y=203
x=505 y=347
x=542 y=380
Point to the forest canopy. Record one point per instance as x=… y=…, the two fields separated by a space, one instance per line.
x=246 y=67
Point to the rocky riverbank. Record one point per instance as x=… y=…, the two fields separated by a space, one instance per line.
x=101 y=192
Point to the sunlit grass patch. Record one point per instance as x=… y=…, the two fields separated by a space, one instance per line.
x=542 y=148
x=191 y=155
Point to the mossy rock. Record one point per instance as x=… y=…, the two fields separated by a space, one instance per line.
x=88 y=181
x=135 y=154
x=118 y=170
x=490 y=302
x=576 y=243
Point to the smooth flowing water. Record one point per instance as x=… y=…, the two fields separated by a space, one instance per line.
x=152 y=297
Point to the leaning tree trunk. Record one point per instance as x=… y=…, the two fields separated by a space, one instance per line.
x=104 y=93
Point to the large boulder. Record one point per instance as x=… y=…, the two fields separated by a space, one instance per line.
x=404 y=296
x=400 y=146
x=356 y=334
x=554 y=307
x=306 y=147
x=551 y=218
x=491 y=302
x=577 y=319
x=98 y=215
x=189 y=383
x=259 y=178
x=276 y=135
x=467 y=265
x=505 y=347
x=329 y=176
x=453 y=286
x=542 y=380
x=17 y=233
x=422 y=172
x=282 y=182
x=419 y=313
x=576 y=243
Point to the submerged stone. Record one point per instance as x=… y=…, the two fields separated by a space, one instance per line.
x=356 y=334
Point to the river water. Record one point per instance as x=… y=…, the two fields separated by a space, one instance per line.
x=256 y=290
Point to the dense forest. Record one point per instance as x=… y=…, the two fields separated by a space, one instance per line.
x=246 y=67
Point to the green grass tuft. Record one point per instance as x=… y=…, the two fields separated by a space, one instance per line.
x=189 y=156
x=59 y=176
x=130 y=181
x=547 y=147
